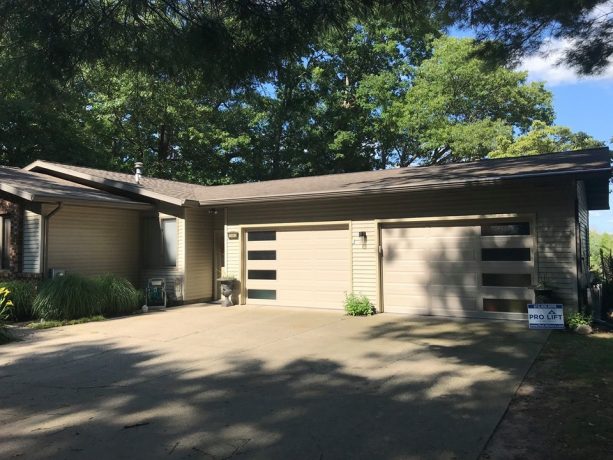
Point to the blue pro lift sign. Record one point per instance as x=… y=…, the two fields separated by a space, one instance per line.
x=546 y=316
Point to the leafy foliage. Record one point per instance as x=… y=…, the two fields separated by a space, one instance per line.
x=22 y=295
x=542 y=139
x=358 y=305
x=516 y=27
x=117 y=295
x=578 y=319
x=600 y=244
x=67 y=297
x=5 y=313
x=368 y=93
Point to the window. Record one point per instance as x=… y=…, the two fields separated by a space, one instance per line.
x=169 y=242
x=262 y=274
x=160 y=242
x=266 y=294
x=507 y=279
x=506 y=305
x=505 y=229
x=262 y=255
x=5 y=242
x=505 y=254
x=261 y=236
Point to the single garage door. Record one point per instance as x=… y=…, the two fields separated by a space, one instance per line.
x=298 y=267
x=458 y=270
x=430 y=270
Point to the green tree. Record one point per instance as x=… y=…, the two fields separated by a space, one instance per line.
x=542 y=138
x=599 y=241
x=457 y=106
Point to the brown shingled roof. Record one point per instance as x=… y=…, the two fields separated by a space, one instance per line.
x=410 y=178
x=37 y=187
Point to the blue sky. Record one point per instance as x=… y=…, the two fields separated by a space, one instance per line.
x=583 y=104
x=588 y=106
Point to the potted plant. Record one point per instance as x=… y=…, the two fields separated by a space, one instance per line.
x=543 y=292
x=228 y=283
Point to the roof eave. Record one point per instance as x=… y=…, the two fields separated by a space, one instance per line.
x=393 y=189
x=41 y=166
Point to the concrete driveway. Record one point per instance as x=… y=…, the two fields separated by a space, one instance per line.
x=271 y=383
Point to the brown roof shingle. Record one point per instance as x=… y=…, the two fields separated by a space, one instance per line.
x=38 y=187
x=409 y=178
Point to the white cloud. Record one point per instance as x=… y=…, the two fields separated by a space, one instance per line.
x=547 y=65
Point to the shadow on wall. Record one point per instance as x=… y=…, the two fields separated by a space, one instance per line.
x=448 y=279
x=100 y=400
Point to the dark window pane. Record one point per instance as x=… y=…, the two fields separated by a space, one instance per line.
x=262 y=274
x=6 y=242
x=508 y=228
x=267 y=294
x=262 y=236
x=262 y=255
x=505 y=254
x=152 y=243
x=507 y=279
x=506 y=305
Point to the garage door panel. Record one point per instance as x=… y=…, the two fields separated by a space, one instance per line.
x=446 y=304
x=431 y=270
x=396 y=303
x=312 y=268
x=459 y=278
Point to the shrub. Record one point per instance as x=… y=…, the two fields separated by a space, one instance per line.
x=578 y=319
x=5 y=313
x=67 y=297
x=117 y=295
x=358 y=305
x=22 y=294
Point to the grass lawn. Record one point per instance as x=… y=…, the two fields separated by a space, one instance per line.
x=51 y=323
x=564 y=407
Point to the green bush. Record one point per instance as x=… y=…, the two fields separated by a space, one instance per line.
x=67 y=297
x=22 y=294
x=5 y=313
x=578 y=319
x=358 y=305
x=117 y=295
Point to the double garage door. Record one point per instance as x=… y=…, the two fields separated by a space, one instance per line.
x=298 y=267
x=434 y=270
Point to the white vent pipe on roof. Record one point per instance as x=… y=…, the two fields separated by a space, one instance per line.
x=138 y=171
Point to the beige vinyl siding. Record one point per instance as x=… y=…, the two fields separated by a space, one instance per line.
x=198 y=254
x=551 y=202
x=364 y=257
x=32 y=237
x=233 y=252
x=173 y=276
x=95 y=240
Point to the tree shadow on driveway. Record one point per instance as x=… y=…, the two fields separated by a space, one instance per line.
x=426 y=399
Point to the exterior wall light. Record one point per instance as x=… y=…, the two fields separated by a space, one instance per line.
x=363 y=237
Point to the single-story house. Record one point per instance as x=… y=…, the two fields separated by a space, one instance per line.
x=465 y=239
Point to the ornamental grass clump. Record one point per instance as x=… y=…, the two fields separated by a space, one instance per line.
x=117 y=295
x=358 y=305
x=67 y=297
x=22 y=295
